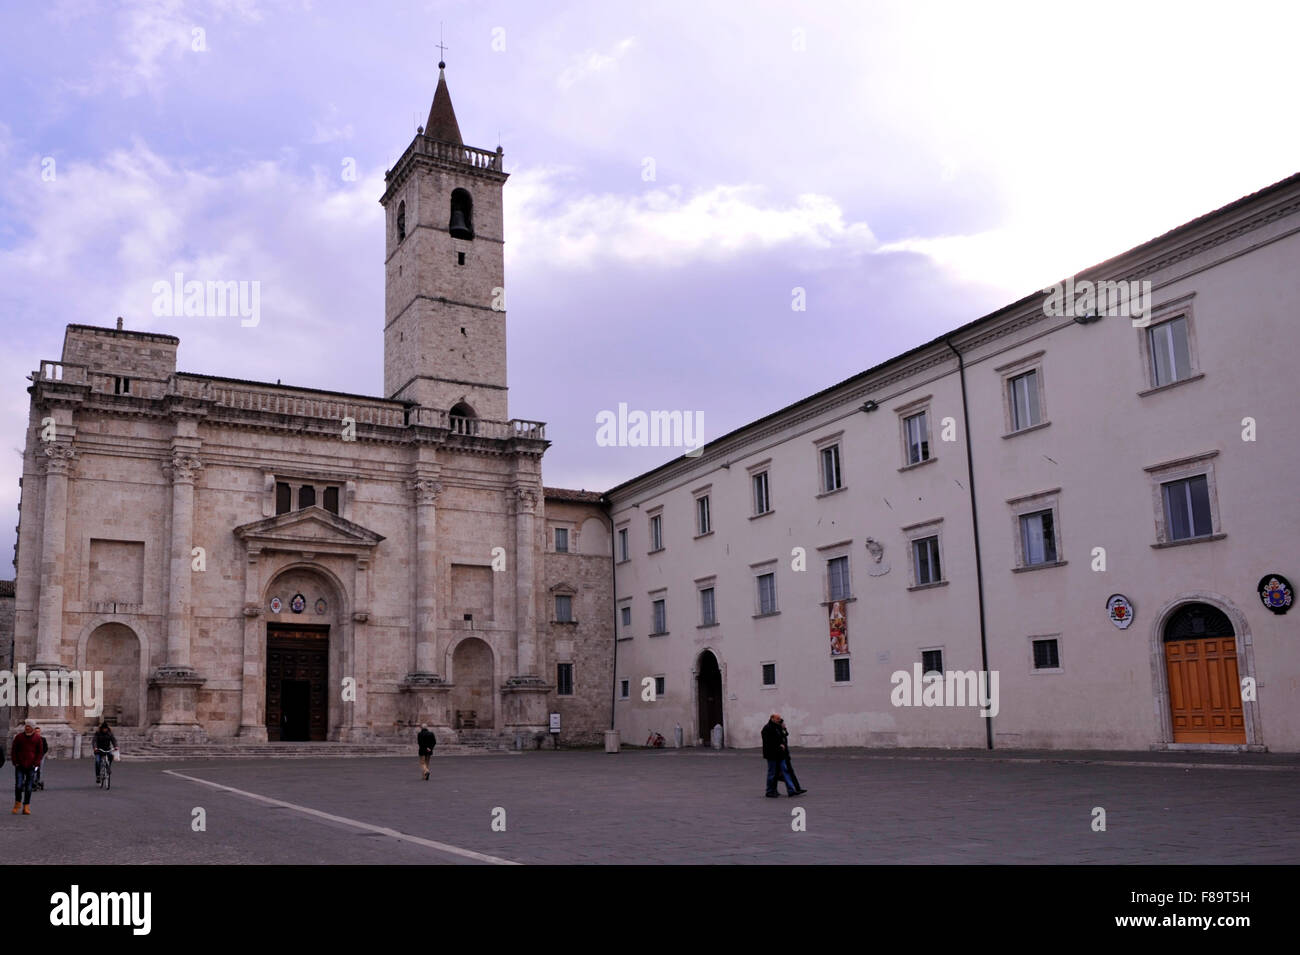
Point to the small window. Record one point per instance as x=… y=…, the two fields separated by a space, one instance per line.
x=1171 y=358
x=656 y=533
x=622 y=689
x=931 y=661
x=332 y=500
x=306 y=496
x=460 y=258
x=766 y=593
x=626 y=615
x=769 y=674
x=283 y=498
x=831 y=469
x=918 y=438
x=561 y=540
x=837 y=576
x=762 y=500
x=659 y=619
x=1046 y=655
x=703 y=523
x=925 y=558
x=121 y=386
x=623 y=553
x=1022 y=392
x=659 y=686
x=708 y=615
x=1038 y=538
x=564 y=679
x=1187 y=508
x=841 y=670
x=563 y=608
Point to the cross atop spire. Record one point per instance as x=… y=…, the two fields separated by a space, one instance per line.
x=442 y=49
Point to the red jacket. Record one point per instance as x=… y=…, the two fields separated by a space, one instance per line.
x=26 y=750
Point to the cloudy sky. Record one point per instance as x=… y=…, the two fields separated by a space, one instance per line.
x=911 y=165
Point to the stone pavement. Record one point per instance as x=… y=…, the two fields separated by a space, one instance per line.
x=666 y=806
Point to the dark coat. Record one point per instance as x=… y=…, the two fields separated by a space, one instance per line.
x=426 y=741
x=104 y=739
x=773 y=741
x=26 y=750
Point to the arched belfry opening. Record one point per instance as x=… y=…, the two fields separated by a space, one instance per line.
x=461 y=224
x=463 y=419
x=401 y=220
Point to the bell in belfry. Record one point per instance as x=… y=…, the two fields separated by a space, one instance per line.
x=459 y=228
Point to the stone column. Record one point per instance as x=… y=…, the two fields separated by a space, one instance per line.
x=426 y=578
x=177 y=680
x=252 y=716
x=59 y=462
x=523 y=698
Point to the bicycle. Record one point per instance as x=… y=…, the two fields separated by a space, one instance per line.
x=105 y=773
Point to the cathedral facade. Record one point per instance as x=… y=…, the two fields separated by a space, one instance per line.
x=261 y=562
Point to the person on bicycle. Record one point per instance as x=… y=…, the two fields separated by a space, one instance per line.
x=105 y=744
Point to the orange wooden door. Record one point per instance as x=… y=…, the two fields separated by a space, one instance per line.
x=1205 y=690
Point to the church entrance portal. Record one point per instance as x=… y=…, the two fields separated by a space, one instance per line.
x=297 y=673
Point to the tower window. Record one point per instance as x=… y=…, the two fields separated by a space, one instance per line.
x=460 y=258
x=401 y=220
x=461 y=224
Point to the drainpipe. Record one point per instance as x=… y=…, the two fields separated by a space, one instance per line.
x=975 y=527
x=613 y=592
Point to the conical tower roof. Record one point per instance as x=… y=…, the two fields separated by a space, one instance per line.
x=442 y=124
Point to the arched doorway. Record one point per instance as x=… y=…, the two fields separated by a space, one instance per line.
x=1200 y=649
x=114 y=650
x=708 y=694
x=472 y=690
x=302 y=651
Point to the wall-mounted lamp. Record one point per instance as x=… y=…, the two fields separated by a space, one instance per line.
x=869 y=406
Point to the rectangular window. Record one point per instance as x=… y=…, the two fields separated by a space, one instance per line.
x=563 y=608
x=841 y=670
x=762 y=503
x=622 y=689
x=561 y=540
x=121 y=386
x=769 y=674
x=831 y=469
x=1022 y=391
x=623 y=553
x=627 y=617
x=660 y=621
x=1170 y=355
x=931 y=661
x=708 y=616
x=659 y=686
x=1038 y=538
x=306 y=496
x=656 y=532
x=918 y=438
x=283 y=498
x=925 y=556
x=1187 y=508
x=564 y=679
x=1046 y=655
x=702 y=521
x=332 y=500
x=837 y=574
x=767 y=593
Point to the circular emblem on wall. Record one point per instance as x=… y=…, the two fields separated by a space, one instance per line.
x=276 y=605
x=298 y=604
x=321 y=606
x=1276 y=593
x=1120 y=610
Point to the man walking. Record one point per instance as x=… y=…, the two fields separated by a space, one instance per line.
x=25 y=754
x=789 y=767
x=426 y=741
x=775 y=752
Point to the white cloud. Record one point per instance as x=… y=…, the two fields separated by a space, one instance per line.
x=592 y=61
x=552 y=226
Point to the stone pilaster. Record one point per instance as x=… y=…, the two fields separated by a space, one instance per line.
x=176 y=680
x=523 y=697
x=426 y=493
x=59 y=462
x=252 y=714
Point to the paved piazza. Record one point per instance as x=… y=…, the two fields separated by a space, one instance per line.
x=669 y=807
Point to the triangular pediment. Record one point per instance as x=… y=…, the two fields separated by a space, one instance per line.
x=311 y=527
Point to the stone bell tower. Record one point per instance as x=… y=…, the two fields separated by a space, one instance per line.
x=444 y=300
